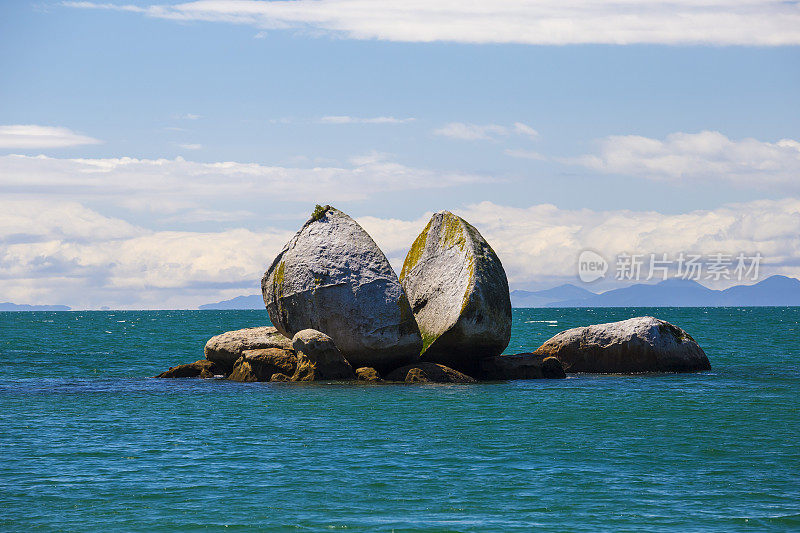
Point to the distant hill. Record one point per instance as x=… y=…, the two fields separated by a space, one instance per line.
x=254 y=301
x=8 y=306
x=773 y=291
x=548 y=296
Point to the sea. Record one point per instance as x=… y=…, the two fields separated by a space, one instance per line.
x=89 y=441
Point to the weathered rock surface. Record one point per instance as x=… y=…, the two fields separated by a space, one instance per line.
x=280 y=377
x=519 y=366
x=458 y=292
x=318 y=358
x=261 y=364
x=425 y=372
x=333 y=278
x=641 y=344
x=199 y=369
x=369 y=374
x=225 y=349
x=243 y=371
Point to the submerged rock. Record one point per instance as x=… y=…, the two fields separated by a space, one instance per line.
x=641 y=344
x=519 y=366
x=262 y=364
x=458 y=292
x=425 y=372
x=225 y=349
x=333 y=278
x=199 y=369
x=368 y=374
x=318 y=358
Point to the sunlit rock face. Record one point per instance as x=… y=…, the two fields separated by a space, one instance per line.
x=640 y=344
x=458 y=292
x=333 y=278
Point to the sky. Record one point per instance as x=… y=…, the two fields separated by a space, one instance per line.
x=160 y=154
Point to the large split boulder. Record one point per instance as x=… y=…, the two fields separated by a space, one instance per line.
x=458 y=292
x=641 y=344
x=425 y=372
x=225 y=349
x=318 y=358
x=333 y=278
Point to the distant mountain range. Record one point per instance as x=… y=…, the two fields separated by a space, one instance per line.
x=549 y=296
x=254 y=301
x=773 y=291
x=8 y=306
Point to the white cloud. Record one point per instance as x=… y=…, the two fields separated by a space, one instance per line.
x=344 y=119
x=708 y=155
x=541 y=243
x=119 y=181
x=470 y=132
x=483 y=132
x=524 y=129
x=526 y=154
x=61 y=252
x=549 y=22
x=189 y=146
x=29 y=136
x=27 y=220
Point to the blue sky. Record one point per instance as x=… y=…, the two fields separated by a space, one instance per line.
x=159 y=154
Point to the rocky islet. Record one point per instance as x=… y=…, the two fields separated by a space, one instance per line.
x=341 y=314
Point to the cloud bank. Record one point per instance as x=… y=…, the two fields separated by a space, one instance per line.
x=708 y=156
x=344 y=119
x=63 y=252
x=464 y=131
x=547 y=22
x=171 y=185
x=30 y=136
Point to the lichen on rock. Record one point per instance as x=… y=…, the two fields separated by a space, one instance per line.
x=458 y=292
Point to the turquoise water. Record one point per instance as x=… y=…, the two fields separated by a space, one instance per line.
x=89 y=442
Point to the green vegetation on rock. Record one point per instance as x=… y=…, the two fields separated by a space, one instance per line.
x=453 y=234
x=412 y=258
x=319 y=211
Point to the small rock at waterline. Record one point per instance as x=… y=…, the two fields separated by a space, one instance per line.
x=369 y=374
x=261 y=364
x=318 y=358
x=519 y=366
x=641 y=344
x=226 y=348
x=199 y=369
x=425 y=372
